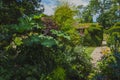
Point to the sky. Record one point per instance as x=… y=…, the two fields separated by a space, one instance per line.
x=50 y=5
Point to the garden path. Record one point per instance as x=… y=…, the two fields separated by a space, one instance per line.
x=97 y=54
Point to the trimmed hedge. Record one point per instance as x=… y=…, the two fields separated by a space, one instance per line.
x=114 y=37
x=93 y=35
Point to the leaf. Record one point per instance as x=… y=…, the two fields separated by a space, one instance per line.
x=18 y=41
x=38 y=16
x=60 y=34
x=47 y=41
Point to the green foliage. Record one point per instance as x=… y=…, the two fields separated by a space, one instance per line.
x=108 y=11
x=89 y=50
x=60 y=34
x=27 y=53
x=93 y=36
x=57 y=74
x=66 y=22
x=114 y=38
x=26 y=48
x=84 y=15
x=80 y=63
x=18 y=41
x=117 y=24
x=61 y=18
x=11 y=11
x=109 y=66
x=87 y=15
x=107 y=19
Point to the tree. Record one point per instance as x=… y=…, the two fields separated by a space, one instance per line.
x=61 y=18
x=84 y=14
x=107 y=19
x=87 y=15
x=64 y=17
x=11 y=10
x=107 y=10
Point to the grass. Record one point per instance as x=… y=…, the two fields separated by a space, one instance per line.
x=89 y=50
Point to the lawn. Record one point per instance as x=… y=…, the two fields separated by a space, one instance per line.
x=89 y=50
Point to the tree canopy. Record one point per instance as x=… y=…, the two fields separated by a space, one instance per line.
x=108 y=10
x=11 y=10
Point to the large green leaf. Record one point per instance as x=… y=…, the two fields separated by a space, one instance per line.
x=60 y=34
x=47 y=41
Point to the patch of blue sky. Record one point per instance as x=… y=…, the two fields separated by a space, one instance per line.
x=49 y=6
x=49 y=2
x=95 y=17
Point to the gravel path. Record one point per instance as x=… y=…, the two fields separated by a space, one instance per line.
x=97 y=54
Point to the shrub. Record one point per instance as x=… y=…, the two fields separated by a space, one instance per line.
x=109 y=67
x=27 y=53
x=117 y=24
x=66 y=22
x=93 y=36
x=57 y=74
x=114 y=38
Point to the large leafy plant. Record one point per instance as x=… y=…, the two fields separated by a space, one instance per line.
x=39 y=51
x=29 y=46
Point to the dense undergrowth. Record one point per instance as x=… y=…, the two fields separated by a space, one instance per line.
x=35 y=50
